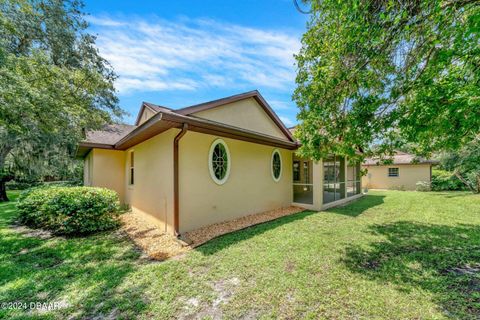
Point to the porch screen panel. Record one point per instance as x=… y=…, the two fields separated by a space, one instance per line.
x=302 y=181
x=333 y=179
x=353 y=179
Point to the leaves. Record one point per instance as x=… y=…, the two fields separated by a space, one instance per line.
x=381 y=74
x=53 y=83
x=70 y=210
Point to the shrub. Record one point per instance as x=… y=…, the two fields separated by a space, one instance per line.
x=445 y=180
x=69 y=210
x=423 y=186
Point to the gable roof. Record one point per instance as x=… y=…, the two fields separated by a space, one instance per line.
x=223 y=101
x=399 y=158
x=152 y=107
x=166 y=118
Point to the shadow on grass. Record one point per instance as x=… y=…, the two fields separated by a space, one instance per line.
x=452 y=194
x=224 y=241
x=85 y=274
x=444 y=260
x=357 y=207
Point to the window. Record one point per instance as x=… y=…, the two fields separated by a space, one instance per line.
x=219 y=161
x=132 y=169
x=276 y=165
x=393 y=172
x=296 y=170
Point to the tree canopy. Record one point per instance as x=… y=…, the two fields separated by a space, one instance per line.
x=385 y=73
x=53 y=83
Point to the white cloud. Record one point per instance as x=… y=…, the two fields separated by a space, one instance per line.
x=190 y=54
x=281 y=105
x=287 y=121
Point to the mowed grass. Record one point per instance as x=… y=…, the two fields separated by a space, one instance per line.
x=390 y=255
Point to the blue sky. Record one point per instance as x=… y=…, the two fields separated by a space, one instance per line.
x=179 y=53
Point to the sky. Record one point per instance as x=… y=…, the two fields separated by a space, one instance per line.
x=183 y=52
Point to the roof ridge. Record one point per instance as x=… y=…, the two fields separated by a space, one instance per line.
x=154 y=105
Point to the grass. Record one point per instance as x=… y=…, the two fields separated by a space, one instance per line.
x=393 y=254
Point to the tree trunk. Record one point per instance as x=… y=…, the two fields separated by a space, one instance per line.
x=4 y=150
x=478 y=183
x=465 y=182
x=3 y=191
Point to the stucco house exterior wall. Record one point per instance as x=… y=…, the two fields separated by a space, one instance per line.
x=100 y=164
x=151 y=194
x=408 y=176
x=402 y=172
x=250 y=187
x=244 y=114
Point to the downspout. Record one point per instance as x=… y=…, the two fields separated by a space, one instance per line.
x=176 y=209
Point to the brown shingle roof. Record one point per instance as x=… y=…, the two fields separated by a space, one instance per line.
x=399 y=158
x=110 y=134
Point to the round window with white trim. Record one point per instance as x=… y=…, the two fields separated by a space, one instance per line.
x=276 y=165
x=219 y=162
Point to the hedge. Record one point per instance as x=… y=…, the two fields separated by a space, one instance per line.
x=69 y=210
x=445 y=180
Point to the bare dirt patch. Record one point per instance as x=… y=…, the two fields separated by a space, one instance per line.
x=32 y=233
x=194 y=308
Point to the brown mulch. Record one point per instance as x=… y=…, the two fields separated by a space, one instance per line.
x=160 y=246
x=202 y=235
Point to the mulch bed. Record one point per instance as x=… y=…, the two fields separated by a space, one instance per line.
x=200 y=236
x=160 y=246
x=155 y=243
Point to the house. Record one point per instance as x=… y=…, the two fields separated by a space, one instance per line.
x=216 y=161
x=401 y=171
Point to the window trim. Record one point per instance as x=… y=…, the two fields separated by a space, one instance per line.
x=131 y=166
x=210 y=158
x=276 y=151
x=393 y=176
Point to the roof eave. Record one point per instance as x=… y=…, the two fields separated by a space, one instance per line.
x=164 y=121
x=84 y=148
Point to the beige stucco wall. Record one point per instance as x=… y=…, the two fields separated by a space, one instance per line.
x=106 y=170
x=247 y=114
x=409 y=174
x=152 y=194
x=146 y=114
x=249 y=189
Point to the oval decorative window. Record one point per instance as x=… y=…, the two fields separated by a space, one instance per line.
x=276 y=165
x=219 y=161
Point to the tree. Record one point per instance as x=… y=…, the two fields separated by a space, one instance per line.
x=53 y=83
x=389 y=72
x=465 y=164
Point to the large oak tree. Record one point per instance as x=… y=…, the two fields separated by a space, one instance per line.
x=53 y=83
x=385 y=73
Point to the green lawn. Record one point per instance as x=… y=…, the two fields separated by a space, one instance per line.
x=392 y=255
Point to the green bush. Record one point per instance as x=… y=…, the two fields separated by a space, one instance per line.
x=69 y=210
x=445 y=180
